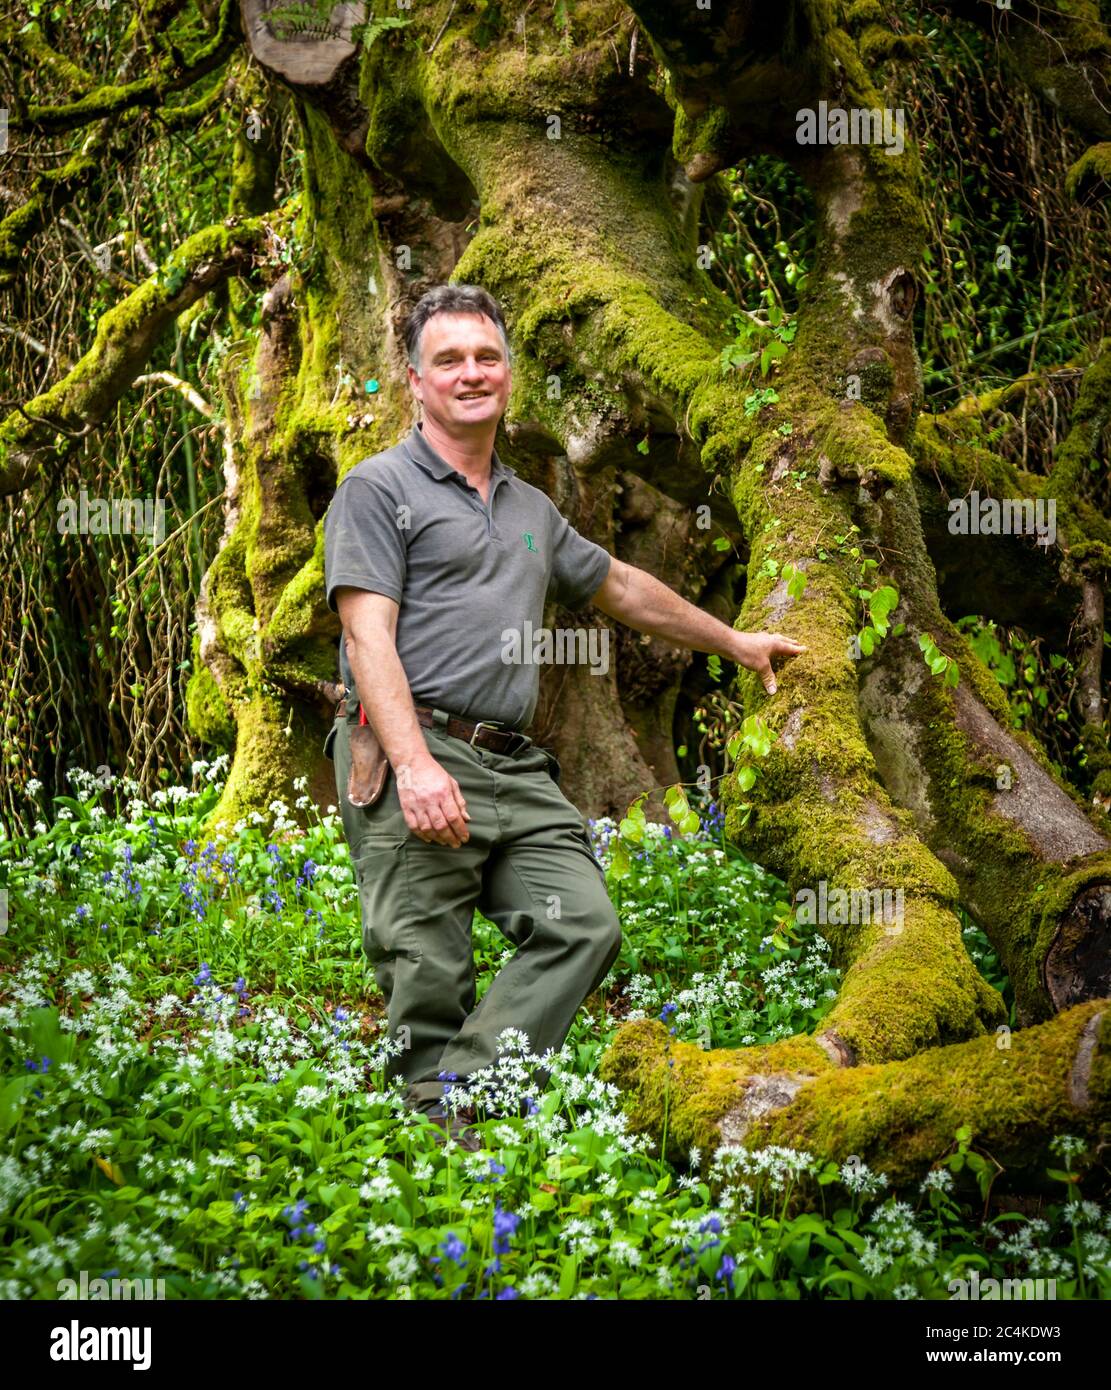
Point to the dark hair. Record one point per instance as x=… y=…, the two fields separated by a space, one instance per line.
x=450 y=299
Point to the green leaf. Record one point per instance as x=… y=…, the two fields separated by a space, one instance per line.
x=620 y=864
x=796 y=580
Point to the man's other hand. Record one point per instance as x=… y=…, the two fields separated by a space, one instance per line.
x=432 y=803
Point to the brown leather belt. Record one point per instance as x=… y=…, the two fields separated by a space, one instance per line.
x=480 y=734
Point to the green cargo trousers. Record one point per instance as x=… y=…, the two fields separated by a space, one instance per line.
x=528 y=867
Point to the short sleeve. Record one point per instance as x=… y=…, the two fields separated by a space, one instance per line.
x=579 y=566
x=364 y=546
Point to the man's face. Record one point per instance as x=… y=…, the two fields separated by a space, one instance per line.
x=465 y=379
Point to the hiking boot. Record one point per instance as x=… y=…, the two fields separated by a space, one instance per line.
x=456 y=1127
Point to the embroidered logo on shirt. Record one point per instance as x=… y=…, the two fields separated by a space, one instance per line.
x=528 y=542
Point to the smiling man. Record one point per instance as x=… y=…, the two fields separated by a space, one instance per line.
x=432 y=550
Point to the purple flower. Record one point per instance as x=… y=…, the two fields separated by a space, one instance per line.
x=453 y=1249
x=505 y=1223
x=82 y=912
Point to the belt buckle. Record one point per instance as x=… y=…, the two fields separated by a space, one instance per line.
x=482 y=724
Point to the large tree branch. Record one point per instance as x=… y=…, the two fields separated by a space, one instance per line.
x=1013 y=1091
x=31 y=40
x=36 y=433
x=50 y=190
x=148 y=91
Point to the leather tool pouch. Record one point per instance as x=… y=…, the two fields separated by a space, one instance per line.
x=369 y=766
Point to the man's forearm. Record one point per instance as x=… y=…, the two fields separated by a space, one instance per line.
x=641 y=601
x=386 y=698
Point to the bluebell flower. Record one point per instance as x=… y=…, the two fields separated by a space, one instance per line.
x=453 y=1249
x=508 y=1292
x=82 y=912
x=205 y=977
x=505 y=1223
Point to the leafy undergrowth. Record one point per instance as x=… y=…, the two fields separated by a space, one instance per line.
x=192 y=1090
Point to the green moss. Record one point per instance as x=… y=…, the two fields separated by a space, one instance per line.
x=272 y=742
x=1013 y=1091
x=701 y=1086
x=1091 y=174
x=209 y=717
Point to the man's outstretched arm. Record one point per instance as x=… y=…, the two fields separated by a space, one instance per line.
x=640 y=601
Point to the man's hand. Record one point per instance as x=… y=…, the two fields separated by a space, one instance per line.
x=756 y=651
x=432 y=803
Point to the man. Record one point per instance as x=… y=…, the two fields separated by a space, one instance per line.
x=433 y=550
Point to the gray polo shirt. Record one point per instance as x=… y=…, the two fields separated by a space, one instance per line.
x=406 y=524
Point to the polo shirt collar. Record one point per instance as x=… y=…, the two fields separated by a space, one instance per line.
x=421 y=452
